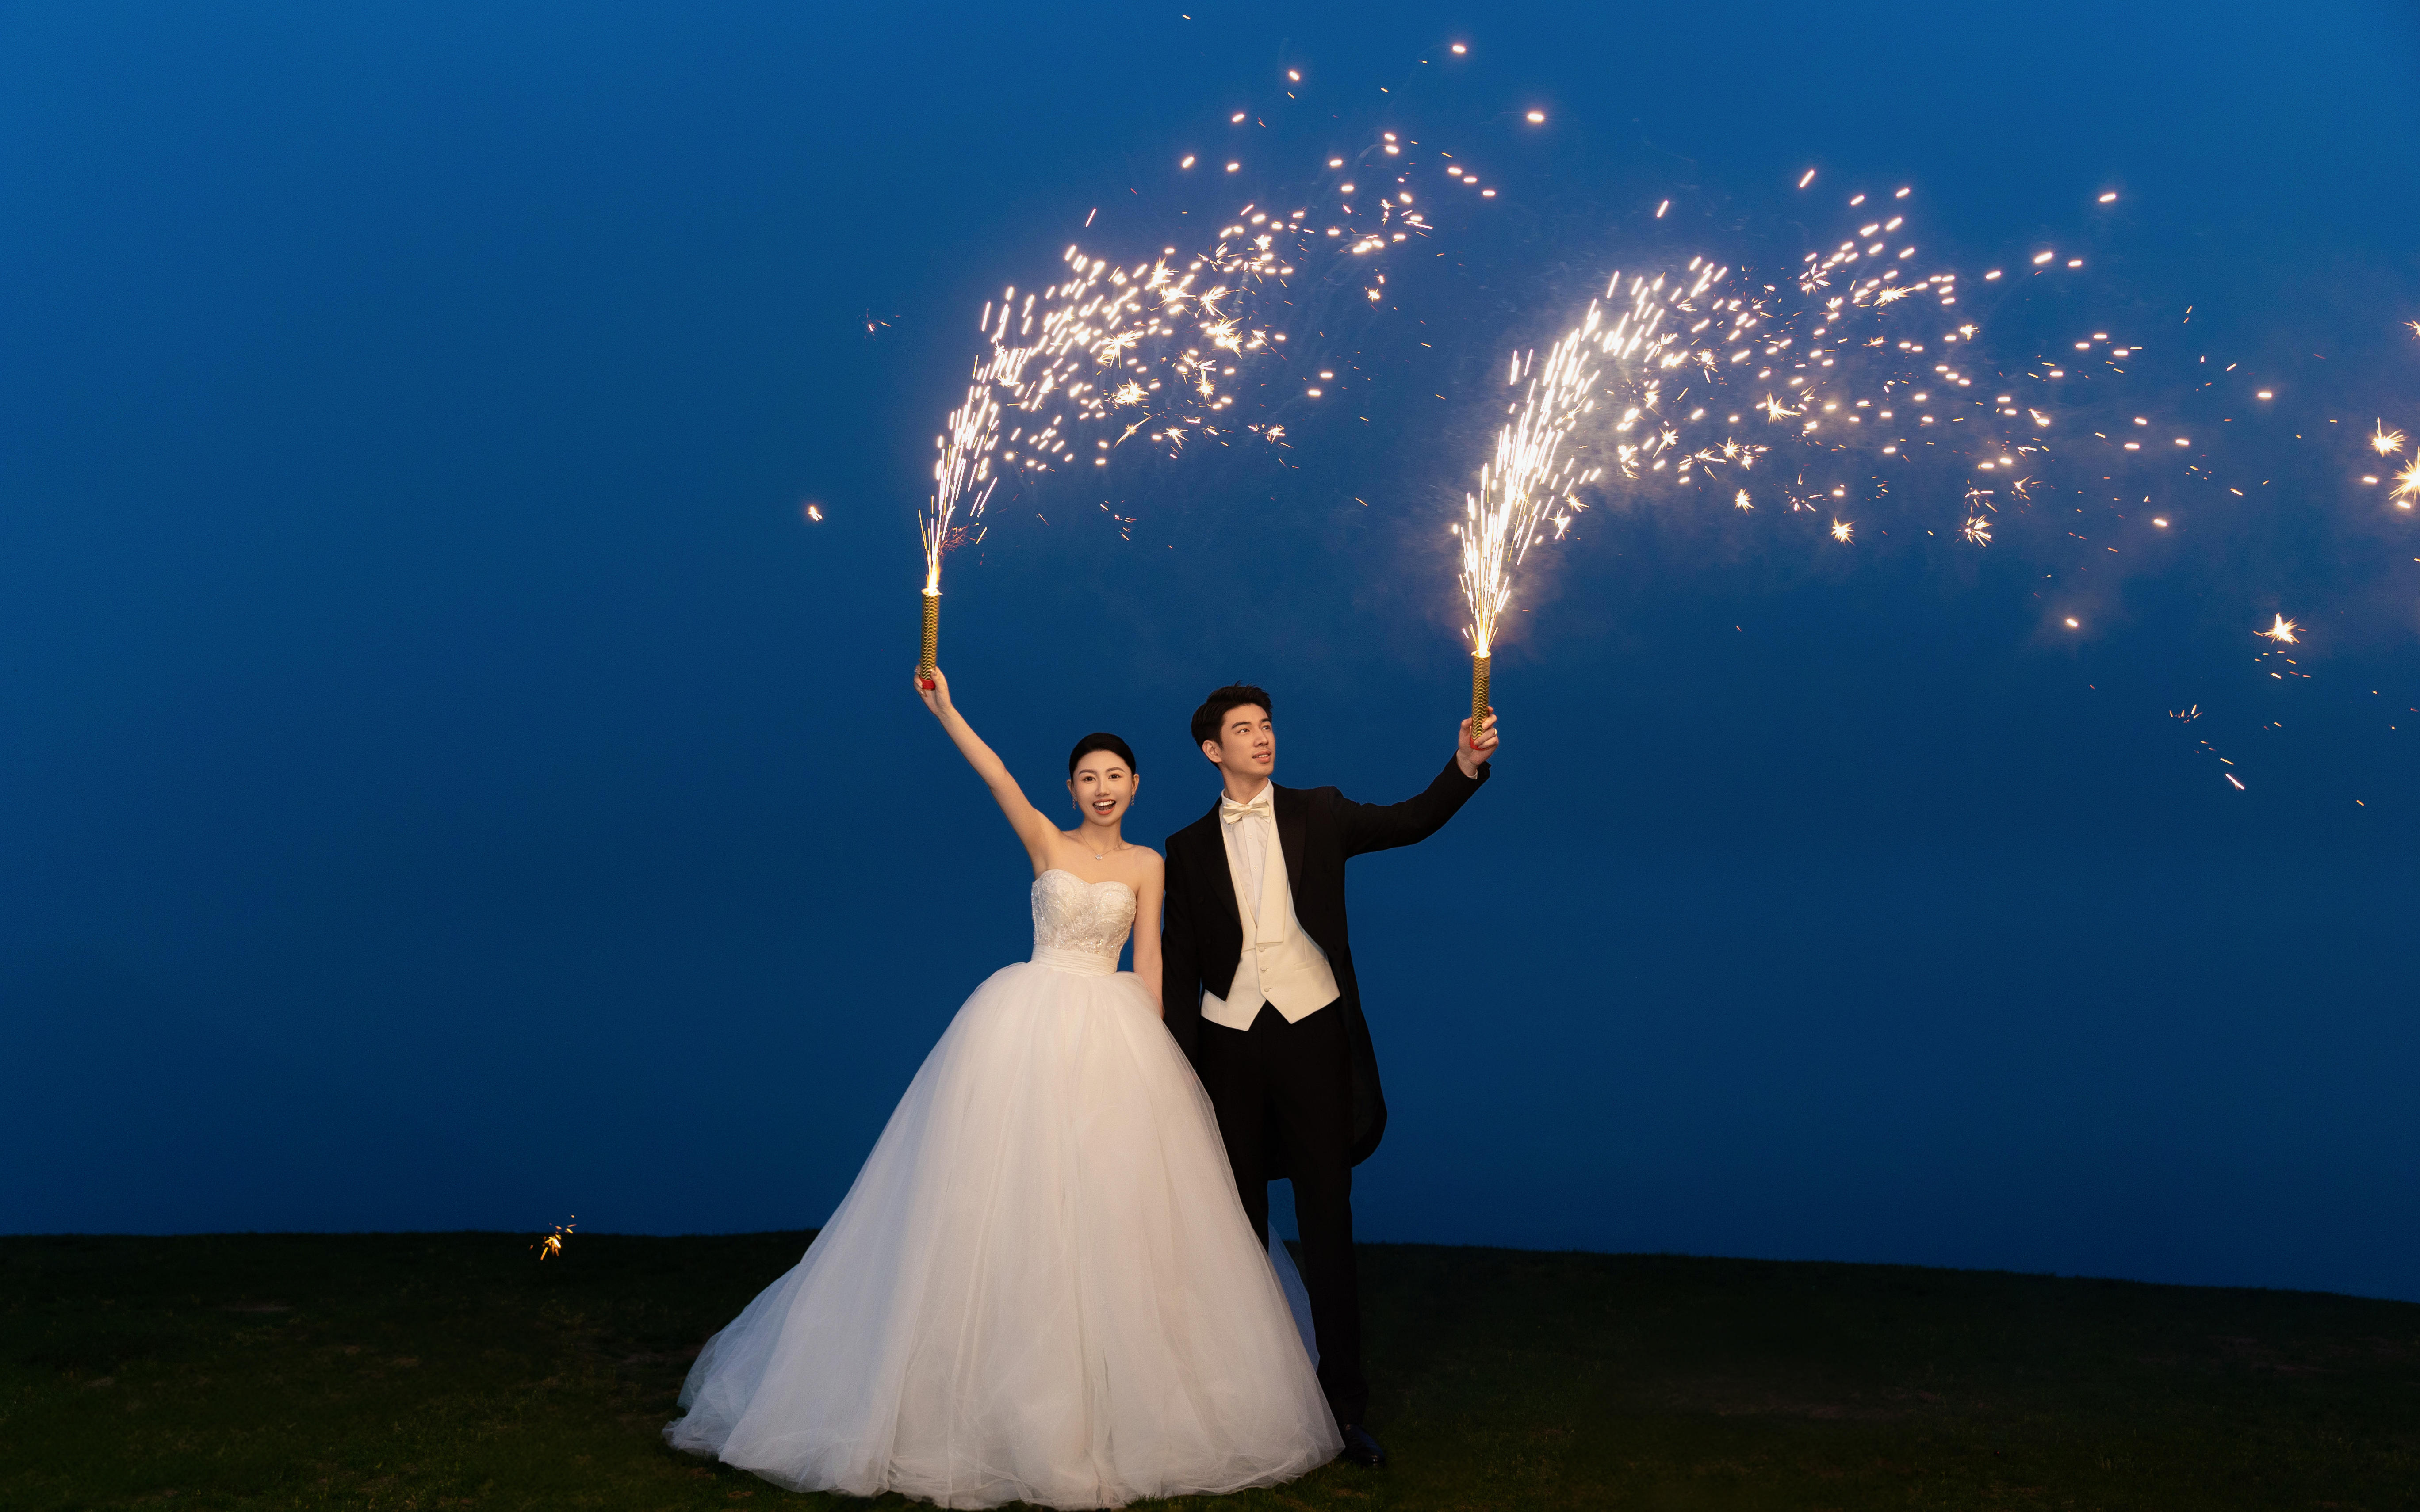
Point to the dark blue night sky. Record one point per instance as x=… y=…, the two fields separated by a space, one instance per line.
x=445 y=782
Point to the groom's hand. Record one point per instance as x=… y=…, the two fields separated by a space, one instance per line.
x=1471 y=750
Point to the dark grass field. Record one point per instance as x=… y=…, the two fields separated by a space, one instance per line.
x=455 y=1370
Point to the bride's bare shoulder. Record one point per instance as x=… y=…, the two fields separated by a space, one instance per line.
x=1146 y=864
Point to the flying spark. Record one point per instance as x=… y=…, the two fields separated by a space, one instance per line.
x=1176 y=336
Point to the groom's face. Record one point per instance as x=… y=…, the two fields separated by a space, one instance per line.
x=1247 y=743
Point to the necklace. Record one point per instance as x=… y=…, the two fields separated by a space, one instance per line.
x=1102 y=856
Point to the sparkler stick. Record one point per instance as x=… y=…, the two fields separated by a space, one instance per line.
x=932 y=634
x=1478 y=661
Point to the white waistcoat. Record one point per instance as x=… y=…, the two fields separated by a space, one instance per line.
x=1282 y=965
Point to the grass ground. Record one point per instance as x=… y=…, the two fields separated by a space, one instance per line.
x=455 y=1370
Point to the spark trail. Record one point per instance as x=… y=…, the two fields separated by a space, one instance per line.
x=1892 y=396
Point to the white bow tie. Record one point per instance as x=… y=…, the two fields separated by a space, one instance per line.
x=1234 y=813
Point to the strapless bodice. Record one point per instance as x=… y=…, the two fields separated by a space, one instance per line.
x=1081 y=926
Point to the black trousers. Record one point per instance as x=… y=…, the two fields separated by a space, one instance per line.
x=1293 y=1083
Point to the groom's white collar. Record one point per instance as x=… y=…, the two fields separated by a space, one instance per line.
x=1262 y=802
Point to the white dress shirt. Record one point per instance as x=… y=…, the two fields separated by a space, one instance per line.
x=1282 y=965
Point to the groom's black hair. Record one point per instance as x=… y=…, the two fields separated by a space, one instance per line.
x=1102 y=740
x=1214 y=709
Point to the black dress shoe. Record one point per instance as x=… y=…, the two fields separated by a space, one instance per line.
x=1362 y=1449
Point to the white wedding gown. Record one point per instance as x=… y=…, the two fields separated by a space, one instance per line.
x=1041 y=1286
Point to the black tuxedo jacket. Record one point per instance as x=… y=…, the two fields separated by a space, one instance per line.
x=1201 y=941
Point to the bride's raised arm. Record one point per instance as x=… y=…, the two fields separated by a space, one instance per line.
x=1034 y=831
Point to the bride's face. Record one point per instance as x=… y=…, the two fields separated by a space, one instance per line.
x=1102 y=787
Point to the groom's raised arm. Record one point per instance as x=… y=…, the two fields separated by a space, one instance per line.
x=1180 y=957
x=1382 y=827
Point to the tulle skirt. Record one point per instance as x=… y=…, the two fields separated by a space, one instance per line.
x=1041 y=1286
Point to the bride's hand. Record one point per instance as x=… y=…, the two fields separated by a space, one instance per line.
x=936 y=693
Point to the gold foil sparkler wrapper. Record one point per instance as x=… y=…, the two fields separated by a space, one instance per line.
x=932 y=636
x=1479 y=663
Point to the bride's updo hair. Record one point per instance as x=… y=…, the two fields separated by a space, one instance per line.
x=1102 y=740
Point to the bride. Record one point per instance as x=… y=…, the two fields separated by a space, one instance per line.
x=1042 y=1285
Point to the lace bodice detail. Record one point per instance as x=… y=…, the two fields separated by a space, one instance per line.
x=1078 y=925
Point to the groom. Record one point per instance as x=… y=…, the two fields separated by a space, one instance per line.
x=1258 y=987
